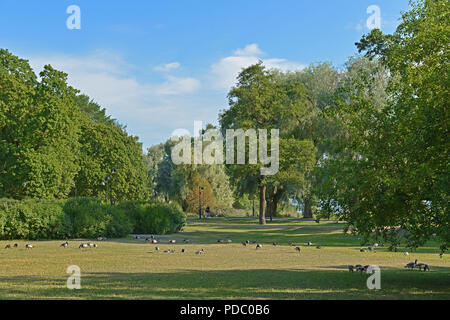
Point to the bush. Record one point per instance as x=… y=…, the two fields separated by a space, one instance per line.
x=157 y=217
x=32 y=219
x=85 y=218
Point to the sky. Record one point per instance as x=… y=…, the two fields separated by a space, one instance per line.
x=157 y=66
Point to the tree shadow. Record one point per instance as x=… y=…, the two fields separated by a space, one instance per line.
x=233 y=284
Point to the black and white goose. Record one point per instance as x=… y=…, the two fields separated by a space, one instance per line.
x=83 y=246
x=8 y=246
x=64 y=245
x=29 y=246
x=297 y=249
x=258 y=246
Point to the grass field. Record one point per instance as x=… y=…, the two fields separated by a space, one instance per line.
x=132 y=269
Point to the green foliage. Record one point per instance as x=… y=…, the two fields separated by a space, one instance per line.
x=55 y=143
x=155 y=218
x=389 y=177
x=33 y=219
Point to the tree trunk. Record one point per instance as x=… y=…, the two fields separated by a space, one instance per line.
x=307 y=211
x=274 y=207
x=269 y=209
x=262 y=202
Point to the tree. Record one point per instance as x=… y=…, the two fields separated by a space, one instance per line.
x=39 y=131
x=393 y=167
x=259 y=101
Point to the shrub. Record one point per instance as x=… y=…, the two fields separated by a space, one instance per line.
x=85 y=218
x=157 y=217
x=32 y=219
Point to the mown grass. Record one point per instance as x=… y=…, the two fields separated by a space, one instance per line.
x=132 y=269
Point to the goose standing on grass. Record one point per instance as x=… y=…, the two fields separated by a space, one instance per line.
x=154 y=241
x=244 y=244
x=351 y=268
x=16 y=245
x=8 y=246
x=65 y=244
x=83 y=246
x=258 y=246
x=406 y=253
x=201 y=251
x=309 y=243
x=29 y=246
x=274 y=244
x=157 y=248
x=298 y=249
x=411 y=265
x=172 y=241
x=183 y=251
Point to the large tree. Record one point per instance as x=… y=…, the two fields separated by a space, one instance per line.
x=259 y=101
x=393 y=174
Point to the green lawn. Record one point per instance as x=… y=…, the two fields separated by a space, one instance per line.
x=132 y=269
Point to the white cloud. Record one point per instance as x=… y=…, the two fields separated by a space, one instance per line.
x=224 y=73
x=168 y=67
x=144 y=106
x=249 y=50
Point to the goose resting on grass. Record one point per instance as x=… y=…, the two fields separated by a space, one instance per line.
x=29 y=246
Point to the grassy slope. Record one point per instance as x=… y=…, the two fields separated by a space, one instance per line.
x=132 y=269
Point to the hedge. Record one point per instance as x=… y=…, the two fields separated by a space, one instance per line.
x=85 y=218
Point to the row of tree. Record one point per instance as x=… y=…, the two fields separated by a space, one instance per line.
x=56 y=143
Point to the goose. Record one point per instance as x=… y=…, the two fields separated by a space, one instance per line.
x=362 y=250
x=422 y=265
x=8 y=246
x=365 y=269
x=411 y=265
x=229 y=241
x=154 y=241
x=258 y=246
x=186 y=240
x=65 y=244
x=247 y=242
x=16 y=245
x=201 y=251
x=244 y=244
x=371 y=248
x=220 y=241
x=351 y=268
x=90 y=244
x=309 y=243
x=172 y=241
x=183 y=251
x=319 y=247
x=426 y=268
x=406 y=253
x=83 y=245
x=29 y=246
x=358 y=267
x=274 y=244
x=157 y=248
x=94 y=245
x=297 y=249
x=167 y=251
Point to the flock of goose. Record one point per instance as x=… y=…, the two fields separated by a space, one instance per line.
x=153 y=240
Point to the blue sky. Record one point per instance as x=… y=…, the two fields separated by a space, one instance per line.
x=157 y=66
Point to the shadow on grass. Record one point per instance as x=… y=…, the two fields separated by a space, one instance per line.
x=233 y=284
